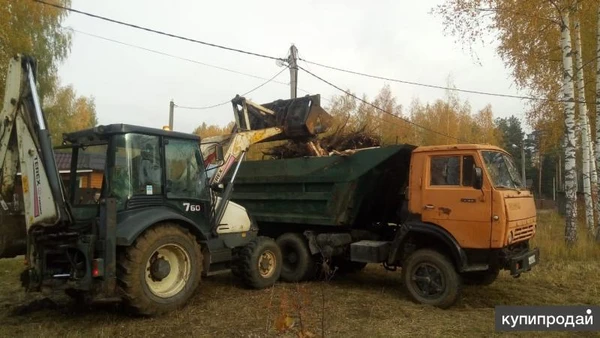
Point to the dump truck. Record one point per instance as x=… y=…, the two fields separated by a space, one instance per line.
x=157 y=225
x=444 y=215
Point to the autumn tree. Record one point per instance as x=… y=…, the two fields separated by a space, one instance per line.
x=27 y=27
x=67 y=112
x=205 y=130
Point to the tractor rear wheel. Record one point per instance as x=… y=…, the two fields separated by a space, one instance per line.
x=160 y=271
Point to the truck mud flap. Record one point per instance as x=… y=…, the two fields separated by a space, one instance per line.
x=524 y=262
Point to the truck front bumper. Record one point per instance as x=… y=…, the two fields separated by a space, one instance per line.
x=523 y=261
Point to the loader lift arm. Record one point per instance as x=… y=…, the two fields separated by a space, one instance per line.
x=300 y=118
x=25 y=144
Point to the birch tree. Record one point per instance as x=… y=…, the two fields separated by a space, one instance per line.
x=584 y=127
x=598 y=108
x=569 y=106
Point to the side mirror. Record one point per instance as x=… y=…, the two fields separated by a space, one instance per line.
x=219 y=157
x=218 y=187
x=478 y=178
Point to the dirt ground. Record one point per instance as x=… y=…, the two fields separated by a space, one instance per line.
x=371 y=303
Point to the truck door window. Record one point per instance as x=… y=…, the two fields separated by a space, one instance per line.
x=468 y=167
x=185 y=172
x=445 y=170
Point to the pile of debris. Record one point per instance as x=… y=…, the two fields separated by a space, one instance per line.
x=341 y=142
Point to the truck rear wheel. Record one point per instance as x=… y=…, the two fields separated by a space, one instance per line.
x=430 y=278
x=161 y=270
x=259 y=263
x=297 y=264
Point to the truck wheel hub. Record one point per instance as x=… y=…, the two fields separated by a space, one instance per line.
x=428 y=280
x=160 y=269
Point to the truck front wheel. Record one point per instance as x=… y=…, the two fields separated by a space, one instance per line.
x=430 y=278
x=259 y=263
x=160 y=271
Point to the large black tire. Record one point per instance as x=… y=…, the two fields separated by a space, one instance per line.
x=431 y=279
x=147 y=286
x=297 y=264
x=259 y=263
x=482 y=278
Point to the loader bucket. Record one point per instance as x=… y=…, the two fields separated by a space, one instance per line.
x=300 y=118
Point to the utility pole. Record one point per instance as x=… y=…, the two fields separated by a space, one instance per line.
x=523 y=177
x=293 y=62
x=171 y=109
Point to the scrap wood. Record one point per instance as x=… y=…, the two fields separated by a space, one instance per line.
x=338 y=143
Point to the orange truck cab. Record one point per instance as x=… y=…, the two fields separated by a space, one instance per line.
x=475 y=193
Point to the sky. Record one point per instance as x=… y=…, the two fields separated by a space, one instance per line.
x=394 y=39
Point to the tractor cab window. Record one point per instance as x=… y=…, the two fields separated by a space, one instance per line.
x=186 y=177
x=137 y=168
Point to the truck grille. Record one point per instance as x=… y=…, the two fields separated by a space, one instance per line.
x=524 y=232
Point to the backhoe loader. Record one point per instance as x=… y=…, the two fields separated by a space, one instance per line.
x=159 y=225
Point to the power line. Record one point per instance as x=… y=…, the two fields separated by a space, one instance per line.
x=182 y=58
x=378 y=108
x=478 y=92
x=159 y=32
x=171 y=55
x=229 y=101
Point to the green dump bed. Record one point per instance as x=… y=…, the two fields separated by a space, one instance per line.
x=365 y=187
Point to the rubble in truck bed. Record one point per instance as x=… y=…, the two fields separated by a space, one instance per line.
x=341 y=142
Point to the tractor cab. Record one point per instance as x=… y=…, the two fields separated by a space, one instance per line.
x=139 y=167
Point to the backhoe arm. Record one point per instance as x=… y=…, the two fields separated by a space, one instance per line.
x=25 y=145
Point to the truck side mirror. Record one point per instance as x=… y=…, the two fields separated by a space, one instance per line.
x=478 y=178
x=219 y=153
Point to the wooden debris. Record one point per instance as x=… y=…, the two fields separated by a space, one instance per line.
x=338 y=143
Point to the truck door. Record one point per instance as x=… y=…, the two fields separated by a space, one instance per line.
x=450 y=201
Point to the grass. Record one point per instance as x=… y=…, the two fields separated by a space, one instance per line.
x=368 y=304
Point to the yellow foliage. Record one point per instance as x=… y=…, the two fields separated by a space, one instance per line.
x=27 y=27
x=528 y=35
x=205 y=130
x=66 y=112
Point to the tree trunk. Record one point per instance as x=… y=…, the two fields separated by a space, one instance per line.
x=593 y=175
x=569 y=106
x=598 y=110
x=584 y=127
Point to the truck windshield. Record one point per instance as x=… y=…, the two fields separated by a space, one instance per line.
x=502 y=170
